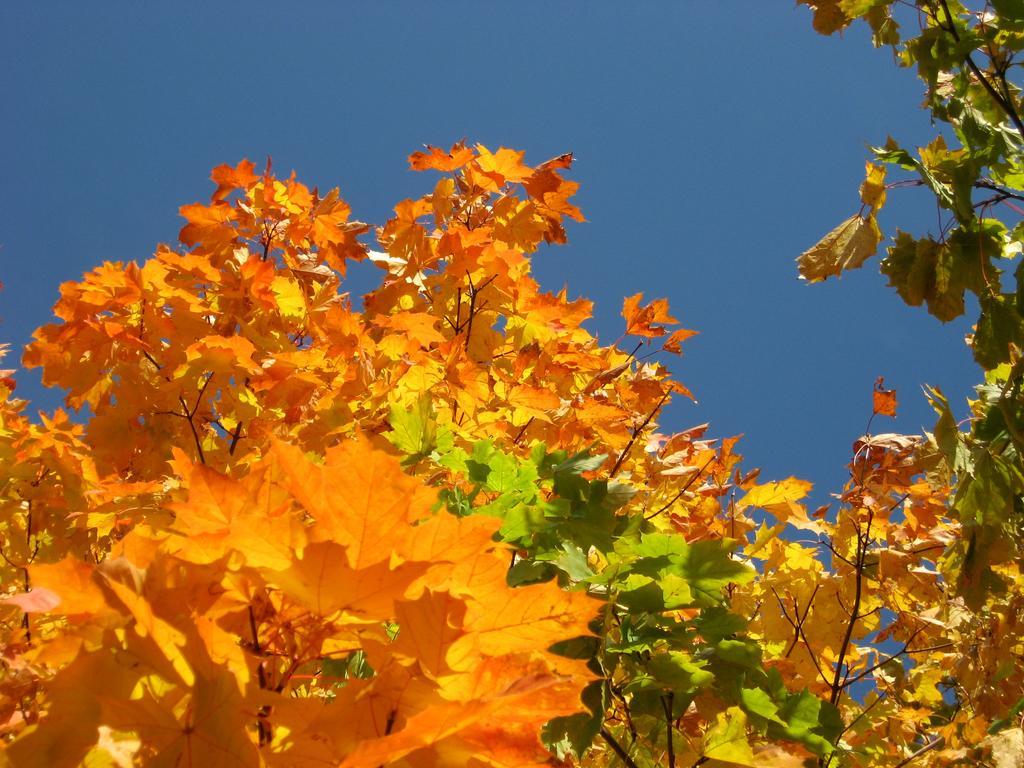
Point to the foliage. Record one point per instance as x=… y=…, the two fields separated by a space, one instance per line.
x=445 y=529
x=966 y=55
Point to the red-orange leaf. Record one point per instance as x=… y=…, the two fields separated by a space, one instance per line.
x=439 y=160
x=883 y=401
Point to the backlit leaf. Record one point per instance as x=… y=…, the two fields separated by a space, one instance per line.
x=846 y=247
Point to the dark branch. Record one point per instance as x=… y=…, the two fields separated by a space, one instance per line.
x=997 y=97
x=636 y=434
x=617 y=749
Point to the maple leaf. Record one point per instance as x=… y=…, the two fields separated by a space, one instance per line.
x=727 y=740
x=780 y=498
x=39 y=600
x=359 y=498
x=829 y=16
x=323 y=581
x=883 y=401
x=846 y=247
x=439 y=160
x=872 y=190
x=211 y=731
x=221 y=517
x=502 y=166
x=291 y=531
x=647 y=321
x=228 y=179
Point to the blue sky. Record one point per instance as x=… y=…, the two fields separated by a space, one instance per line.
x=714 y=143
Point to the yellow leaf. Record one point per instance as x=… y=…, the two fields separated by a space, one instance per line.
x=168 y=638
x=212 y=731
x=727 y=741
x=780 y=498
x=531 y=401
x=846 y=247
x=828 y=15
x=290 y=299
x=872 y=190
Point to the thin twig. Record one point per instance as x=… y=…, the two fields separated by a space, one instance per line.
x=802 y=619
x=523 y=431
x=864 y=712
x=617 y=748
x=636 y=433
x=666 y=704
x=261 y=724
x=234 y=439
x=926 y=748
x=682 y=490
x=1005 y=105
x=813 y=655
x=905 y=651
x=837 y=686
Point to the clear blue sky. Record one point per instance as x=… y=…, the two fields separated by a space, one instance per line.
x=715 y=142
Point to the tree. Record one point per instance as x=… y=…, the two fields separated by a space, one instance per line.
x=966 y=55
x=444 y=529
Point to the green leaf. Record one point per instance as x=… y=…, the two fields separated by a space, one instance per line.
x=999 y=327
x=857 y=8
x=989 y=497
x=702 y=569
x=910 y=267
x=757 y=702
x=642 y=593
x=811 y=721
x=923 y=270
x=1009 y=11
x=504 y=474
x=743 y=653
x=679 y=672
x=709 y=569
x=572 y=560
x=573 y=734
x=586 y=647
x=654 y=545
x=521 y=521
x=894 y=154
x=717 y=623
x=948 y=438
x=414 y=432
x=529 y=572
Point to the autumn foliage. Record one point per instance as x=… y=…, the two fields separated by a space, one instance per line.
x=444 y=528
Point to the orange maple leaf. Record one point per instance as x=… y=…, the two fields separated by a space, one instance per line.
x=883 y=401
x=646 y=321
x=439 y=160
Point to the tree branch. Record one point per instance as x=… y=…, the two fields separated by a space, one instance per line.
x=997 y=97
x=261 y=723
x=636 y=434
x=682 y=490
x=926 y=748
x=617 y=749
x=666 y=704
